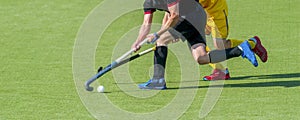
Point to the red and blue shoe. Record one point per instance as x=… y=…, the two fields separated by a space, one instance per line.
x=259 y=49
x=155 y=84
x=217 y=75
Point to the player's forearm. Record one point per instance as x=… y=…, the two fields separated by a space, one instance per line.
x=145 y=28
x=171 y=22
x=165 y=19
x=144 y=31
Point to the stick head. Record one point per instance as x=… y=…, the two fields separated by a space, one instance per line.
x=88 y=88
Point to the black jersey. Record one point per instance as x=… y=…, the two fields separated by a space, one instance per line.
x=185 y=6
x=151 y=6
x=192 y=17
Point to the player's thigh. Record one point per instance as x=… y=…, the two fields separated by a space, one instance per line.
x=221 y=27
x=218 y=19
x=221 y=30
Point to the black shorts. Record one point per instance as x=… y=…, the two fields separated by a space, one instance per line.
x=186 y=31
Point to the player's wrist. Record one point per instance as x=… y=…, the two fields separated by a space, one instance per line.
x=155 y=37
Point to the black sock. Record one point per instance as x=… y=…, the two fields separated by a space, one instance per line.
x=222 y=55
x=160 y=58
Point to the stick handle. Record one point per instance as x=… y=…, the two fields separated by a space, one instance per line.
x=129 y=52
x=135 y=56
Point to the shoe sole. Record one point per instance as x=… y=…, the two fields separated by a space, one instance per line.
x=153 y=88
x=260 y=50
x=205 y=79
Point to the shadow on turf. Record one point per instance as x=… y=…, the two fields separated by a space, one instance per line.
x=291 y=83
x=271 y=76
x=167 y=82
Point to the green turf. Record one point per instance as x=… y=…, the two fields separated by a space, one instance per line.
x=37 y=39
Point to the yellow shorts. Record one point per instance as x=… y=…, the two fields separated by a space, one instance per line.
x=217 y=22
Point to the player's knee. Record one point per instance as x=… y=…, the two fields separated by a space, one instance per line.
x=165 y=39
x=161 y=44
x=202 y=59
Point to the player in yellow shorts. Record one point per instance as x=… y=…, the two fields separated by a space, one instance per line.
x=217 y=26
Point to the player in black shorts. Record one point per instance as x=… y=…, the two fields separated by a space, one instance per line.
x=188 y=18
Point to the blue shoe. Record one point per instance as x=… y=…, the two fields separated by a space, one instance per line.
x=155 y=84
x=248 y=53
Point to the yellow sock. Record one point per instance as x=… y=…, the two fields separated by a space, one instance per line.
x=252 y=44
x=207 y=49
x=219 y=66
x=235 y=42
x=210 y=64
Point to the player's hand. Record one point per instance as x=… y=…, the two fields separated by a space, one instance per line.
x=152 y=38
x=136 y=46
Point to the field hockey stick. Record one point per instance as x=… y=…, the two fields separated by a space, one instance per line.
x=121 y=60
x=131 y=58
x=102 y=71
x=136 y=56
